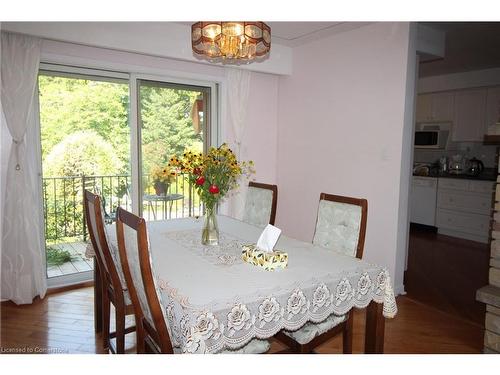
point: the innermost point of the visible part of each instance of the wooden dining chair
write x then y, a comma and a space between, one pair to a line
113, 285
260, 204
152, 332
340, 226
153, 335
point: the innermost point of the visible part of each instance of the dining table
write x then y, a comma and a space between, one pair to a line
213, 300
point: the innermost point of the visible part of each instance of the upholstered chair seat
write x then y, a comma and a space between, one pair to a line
338, 227
310, 331
260, 204
255, 346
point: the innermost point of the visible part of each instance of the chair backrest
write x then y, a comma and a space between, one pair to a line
260, 205
107, 257
134, 253
341, 224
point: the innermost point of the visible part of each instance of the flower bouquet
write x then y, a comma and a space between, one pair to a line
162, 178
213, 175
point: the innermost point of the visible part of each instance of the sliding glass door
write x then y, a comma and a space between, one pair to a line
85, 143
113, 133
173, 120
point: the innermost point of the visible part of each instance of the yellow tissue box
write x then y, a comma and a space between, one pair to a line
267, 260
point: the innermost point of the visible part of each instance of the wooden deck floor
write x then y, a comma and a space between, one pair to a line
79, 263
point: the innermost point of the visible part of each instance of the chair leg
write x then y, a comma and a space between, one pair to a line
141, 347
347, 334
105, 319
303, 349
120, 329
139, 336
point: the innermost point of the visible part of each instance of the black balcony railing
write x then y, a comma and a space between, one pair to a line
63, 202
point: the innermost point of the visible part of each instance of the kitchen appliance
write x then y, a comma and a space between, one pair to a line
421, 170
476, 166
457, 164
443, 164
432, 135
423, 199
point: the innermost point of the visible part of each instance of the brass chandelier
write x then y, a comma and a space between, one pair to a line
233, 41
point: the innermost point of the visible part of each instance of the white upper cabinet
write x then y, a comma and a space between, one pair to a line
469, 123
435, 107
492, 106
424, 108
443, 105
470, 110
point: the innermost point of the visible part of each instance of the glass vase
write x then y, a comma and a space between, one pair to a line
210, 232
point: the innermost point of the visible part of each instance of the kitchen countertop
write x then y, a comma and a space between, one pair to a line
485, 176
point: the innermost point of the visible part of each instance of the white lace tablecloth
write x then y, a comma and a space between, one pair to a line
213, 300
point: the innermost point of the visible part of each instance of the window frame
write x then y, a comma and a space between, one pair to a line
64, 68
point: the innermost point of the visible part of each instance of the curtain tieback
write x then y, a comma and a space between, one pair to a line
17, 143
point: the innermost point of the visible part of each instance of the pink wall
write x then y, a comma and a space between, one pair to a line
340, 131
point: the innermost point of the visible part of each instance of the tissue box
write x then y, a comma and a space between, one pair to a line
267, 260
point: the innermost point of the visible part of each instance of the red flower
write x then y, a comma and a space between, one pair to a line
200, 181
214, 189
197, 171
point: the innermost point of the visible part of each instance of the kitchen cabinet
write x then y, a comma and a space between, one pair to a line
424, 108
469, 123
435, 107
443, 106
464, 208
464, 201
463, 225
492, 106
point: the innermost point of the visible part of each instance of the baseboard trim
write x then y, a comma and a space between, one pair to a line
54, 290
465, 236
399, 290
65, 288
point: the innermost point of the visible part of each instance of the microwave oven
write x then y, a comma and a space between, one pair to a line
432, 135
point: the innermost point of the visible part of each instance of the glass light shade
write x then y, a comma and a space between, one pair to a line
231, 40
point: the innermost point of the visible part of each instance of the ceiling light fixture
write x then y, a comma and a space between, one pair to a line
233, 41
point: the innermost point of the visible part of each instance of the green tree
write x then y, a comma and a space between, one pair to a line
167, 127
82, 153
68, 105
74, 161
85, 131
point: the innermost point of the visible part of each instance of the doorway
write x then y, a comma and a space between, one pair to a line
113, 133
454, 175
85, 144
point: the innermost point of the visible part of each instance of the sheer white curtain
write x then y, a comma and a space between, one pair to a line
23, 274
238, 88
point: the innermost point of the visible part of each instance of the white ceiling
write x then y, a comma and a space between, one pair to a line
292, 33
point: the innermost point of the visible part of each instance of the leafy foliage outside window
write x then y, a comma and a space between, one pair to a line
57, 257
85, 133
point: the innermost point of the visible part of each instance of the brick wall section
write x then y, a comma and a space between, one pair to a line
490, 294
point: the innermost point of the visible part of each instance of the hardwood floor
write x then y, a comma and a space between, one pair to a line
445, 272
63, 323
